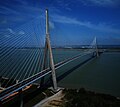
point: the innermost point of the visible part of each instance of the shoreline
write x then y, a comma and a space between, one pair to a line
73, 97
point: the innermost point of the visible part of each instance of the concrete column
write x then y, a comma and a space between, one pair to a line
21, 98
50, 53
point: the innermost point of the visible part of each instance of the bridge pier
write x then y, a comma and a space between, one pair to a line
96, 54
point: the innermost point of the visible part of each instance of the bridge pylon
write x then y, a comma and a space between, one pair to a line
96, 48
48, 51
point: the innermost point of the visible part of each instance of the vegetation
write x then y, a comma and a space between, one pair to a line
83, 98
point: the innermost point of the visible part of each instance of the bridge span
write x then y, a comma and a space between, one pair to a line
17, 87
45, 71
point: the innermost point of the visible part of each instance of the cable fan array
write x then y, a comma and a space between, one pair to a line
21, 52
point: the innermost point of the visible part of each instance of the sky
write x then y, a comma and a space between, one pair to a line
72, 22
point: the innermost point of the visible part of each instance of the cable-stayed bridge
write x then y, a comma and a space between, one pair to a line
38, 64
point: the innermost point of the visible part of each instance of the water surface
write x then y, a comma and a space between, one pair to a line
101, 74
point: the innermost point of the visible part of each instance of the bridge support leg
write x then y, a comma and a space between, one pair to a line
21, 98
21, 102
52, 67
97, 53
50, 53
44, 62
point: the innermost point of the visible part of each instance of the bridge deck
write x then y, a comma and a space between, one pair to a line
15, 88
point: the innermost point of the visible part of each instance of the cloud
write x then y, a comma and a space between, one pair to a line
51, 24
22, 2
3, 21
14, 11
10, 31
64, 19
7, 10
21, 32
65, 4
101, 2
13, 32
100, 26
7, 36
